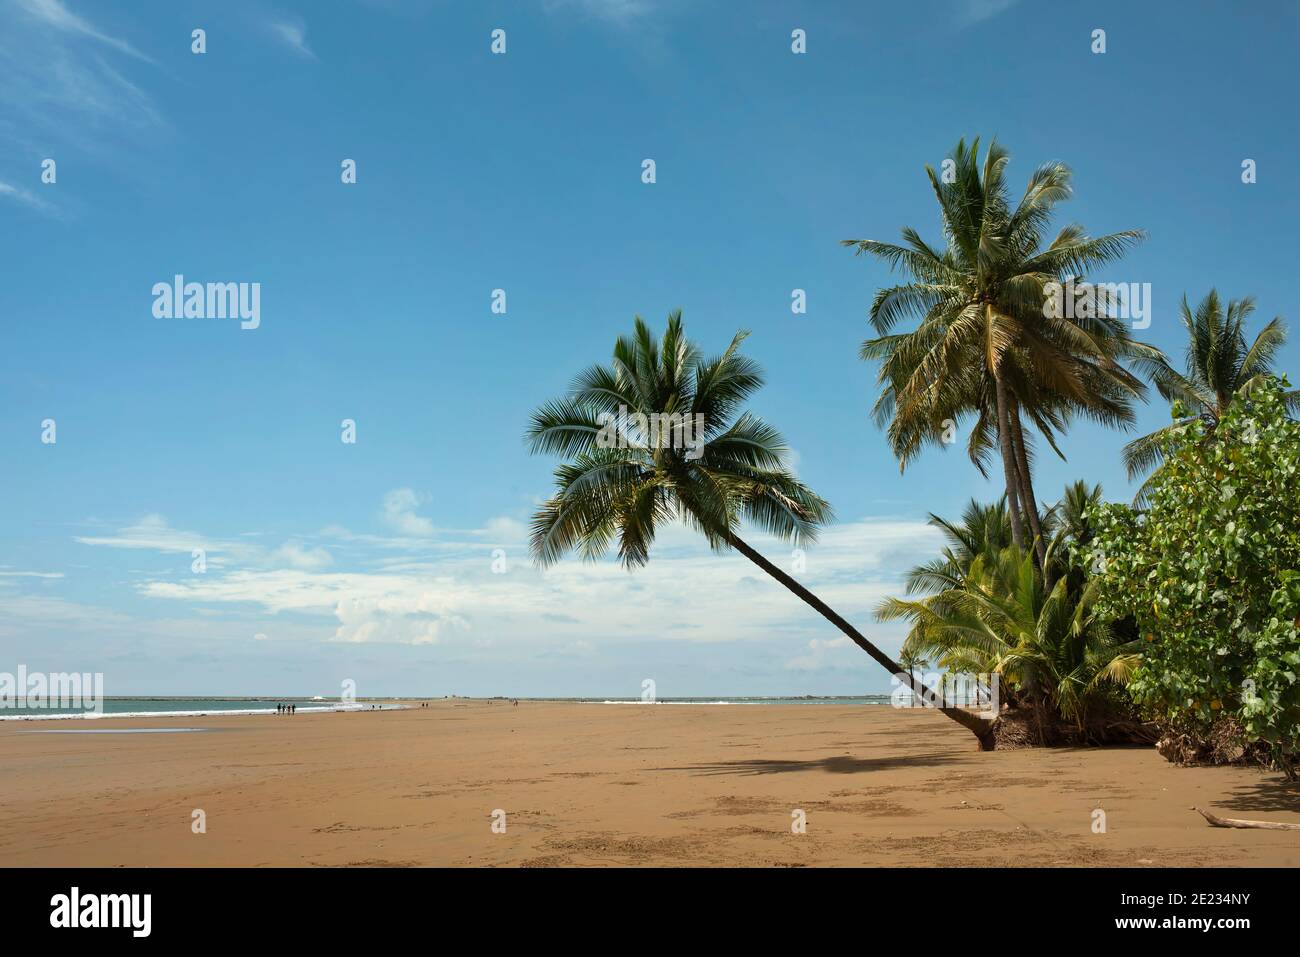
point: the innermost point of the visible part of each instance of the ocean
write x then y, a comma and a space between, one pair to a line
183, 707
160, 707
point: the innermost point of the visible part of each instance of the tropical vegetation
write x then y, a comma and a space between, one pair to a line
1210, 571
1178, 615
982, 608
1220, 365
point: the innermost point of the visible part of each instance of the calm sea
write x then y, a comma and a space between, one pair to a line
195, 707
189, 707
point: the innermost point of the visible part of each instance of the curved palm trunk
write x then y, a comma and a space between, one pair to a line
1027, 485
1008, 462
980, 727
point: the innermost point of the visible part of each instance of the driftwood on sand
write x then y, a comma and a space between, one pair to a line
1217, 821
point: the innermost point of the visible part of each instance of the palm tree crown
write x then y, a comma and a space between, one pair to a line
1220, 365
985, 343
657, 435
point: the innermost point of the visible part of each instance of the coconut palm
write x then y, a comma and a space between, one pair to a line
1055, 656
1220, 366
986, 343
982, 528
659, 434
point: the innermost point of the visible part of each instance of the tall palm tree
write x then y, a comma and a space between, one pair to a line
624, 475
985, 343
1219, 364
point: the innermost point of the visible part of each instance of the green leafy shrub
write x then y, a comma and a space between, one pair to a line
1211, 574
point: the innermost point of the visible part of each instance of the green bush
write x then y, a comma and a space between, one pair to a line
1211, 574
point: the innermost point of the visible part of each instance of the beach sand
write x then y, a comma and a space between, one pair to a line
591, 784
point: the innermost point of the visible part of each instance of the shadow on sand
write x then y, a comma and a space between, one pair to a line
834, 765
1270, 793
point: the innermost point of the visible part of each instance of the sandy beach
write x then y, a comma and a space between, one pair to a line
590, 784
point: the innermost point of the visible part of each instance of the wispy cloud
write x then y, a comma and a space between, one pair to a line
63, 86
22, 196
614, 11
153, 533
971, 12
293, 35
53, 13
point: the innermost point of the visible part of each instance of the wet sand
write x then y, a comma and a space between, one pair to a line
590, 784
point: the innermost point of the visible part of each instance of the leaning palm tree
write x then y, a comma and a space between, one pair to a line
659, 434
985, 343
1220, 366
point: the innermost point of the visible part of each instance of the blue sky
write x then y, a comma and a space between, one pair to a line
373, 561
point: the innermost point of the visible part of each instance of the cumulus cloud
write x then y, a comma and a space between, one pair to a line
686, 593
296, 555
399, 514
816, 659
430, 586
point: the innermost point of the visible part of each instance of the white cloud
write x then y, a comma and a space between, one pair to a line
54, 14
971, 12
505, 531
417, 619
686, 593
815, 660
296, 555
442, 585
61, 89
22, 196
153, 533
293, 34
399, 514
615, 11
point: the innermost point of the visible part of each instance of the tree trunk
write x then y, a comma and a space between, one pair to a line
1008, 462
982, 728
1027, 485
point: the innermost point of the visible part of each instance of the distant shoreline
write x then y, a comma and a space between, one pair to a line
196, 707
